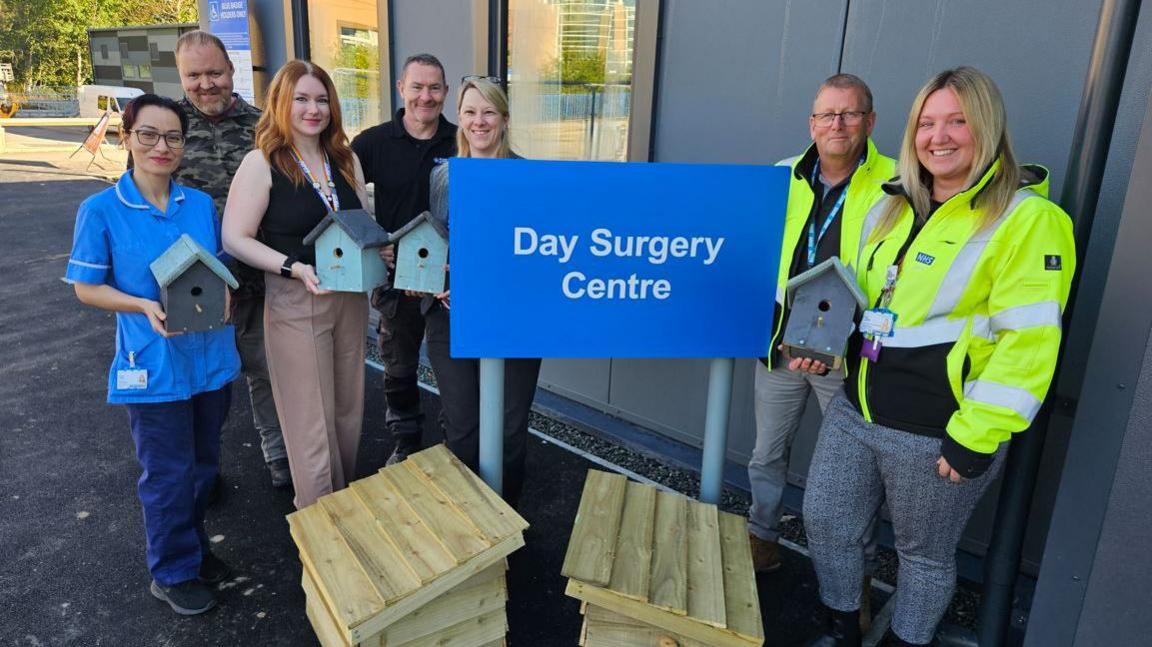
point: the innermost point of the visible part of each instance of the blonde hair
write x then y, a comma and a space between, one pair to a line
983, 108
274, 129
493, 94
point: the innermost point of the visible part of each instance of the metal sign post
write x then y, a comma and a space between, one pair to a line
716, 429
492, 423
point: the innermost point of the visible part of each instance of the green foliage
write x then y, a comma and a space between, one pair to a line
49, 38
575, 71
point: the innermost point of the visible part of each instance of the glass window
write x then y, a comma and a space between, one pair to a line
570, 77
130, 71
101, 102
145, 71
345, 41
104, 52
154, 52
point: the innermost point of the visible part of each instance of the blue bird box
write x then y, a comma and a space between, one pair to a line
823, 303
421, 253
347, 251
193, 286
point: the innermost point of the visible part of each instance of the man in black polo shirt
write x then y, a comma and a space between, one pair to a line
398, 157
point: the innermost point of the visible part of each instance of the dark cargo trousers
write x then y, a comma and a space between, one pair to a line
248, 319
400, 333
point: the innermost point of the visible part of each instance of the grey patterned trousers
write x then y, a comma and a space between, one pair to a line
856, 466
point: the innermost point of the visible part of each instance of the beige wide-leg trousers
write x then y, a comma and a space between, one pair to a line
315, 347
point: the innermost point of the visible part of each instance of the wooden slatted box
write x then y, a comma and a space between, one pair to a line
658, 569
413, 555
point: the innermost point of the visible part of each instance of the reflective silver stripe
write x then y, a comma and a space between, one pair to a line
1022, 402
1045, 313
960, 272
940, 331
870, 222
789, 162
780, 294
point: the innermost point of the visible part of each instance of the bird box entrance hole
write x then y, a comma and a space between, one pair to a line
338, 252
197, 290
824, 305
423, 253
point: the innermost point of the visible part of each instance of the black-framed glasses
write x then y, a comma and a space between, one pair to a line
476, 77
150, 137
849, 118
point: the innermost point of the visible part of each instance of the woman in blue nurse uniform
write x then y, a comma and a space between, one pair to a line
176, 388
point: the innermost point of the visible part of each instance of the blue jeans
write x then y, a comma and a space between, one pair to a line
178, 446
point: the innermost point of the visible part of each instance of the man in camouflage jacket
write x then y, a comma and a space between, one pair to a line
221, 130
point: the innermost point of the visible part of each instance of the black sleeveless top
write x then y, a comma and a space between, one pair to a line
294, 210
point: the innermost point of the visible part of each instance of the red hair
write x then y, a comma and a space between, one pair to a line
274, 130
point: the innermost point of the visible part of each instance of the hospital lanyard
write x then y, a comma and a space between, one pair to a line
814, 238
893, 273
331, 200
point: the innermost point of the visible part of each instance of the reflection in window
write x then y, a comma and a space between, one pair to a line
570, 77
130, 71
346, 43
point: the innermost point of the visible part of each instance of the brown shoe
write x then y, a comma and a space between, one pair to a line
866, 606
765, 554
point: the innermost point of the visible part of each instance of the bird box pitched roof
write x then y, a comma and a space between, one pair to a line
416, 222
360, 226
182, 255
834, 266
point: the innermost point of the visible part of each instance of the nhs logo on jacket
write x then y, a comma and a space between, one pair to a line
925, 258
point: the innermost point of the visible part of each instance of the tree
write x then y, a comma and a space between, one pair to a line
49, 38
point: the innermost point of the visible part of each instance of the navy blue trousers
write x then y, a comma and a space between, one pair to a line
178, 446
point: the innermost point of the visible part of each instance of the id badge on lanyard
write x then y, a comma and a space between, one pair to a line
879, 322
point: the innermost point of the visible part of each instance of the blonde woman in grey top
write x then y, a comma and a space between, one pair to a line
483, 133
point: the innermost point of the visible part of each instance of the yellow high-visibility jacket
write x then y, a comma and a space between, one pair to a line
978, 319
864, 191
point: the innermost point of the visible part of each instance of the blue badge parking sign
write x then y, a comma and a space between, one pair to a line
600, 259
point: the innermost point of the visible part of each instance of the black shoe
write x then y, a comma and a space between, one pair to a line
843, 631
186, 598
403, 449
213, 570
890, 639
281, 476
216, 494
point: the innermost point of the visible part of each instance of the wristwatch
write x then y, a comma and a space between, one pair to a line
286, 268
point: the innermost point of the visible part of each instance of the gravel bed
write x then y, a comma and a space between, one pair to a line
965, 604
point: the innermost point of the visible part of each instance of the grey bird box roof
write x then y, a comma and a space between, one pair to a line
182, 255
360, 226
831, 265
415, 222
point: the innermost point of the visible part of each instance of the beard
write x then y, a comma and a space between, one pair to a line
212, 104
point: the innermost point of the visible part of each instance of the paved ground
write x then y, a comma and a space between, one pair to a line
71, 539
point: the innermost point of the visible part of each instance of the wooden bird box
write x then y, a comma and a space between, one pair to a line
412, 555
347, 246
193, 286
823, 303
657, 568
421, 253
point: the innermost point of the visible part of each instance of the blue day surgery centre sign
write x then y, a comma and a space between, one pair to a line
605, 259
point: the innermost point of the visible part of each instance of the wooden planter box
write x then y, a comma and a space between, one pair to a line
413, 555
659, 569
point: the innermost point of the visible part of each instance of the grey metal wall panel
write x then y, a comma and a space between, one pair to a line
1037, 51
669, 395
443, 28
1096, 568
584, 380
737, 78
1116, 602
